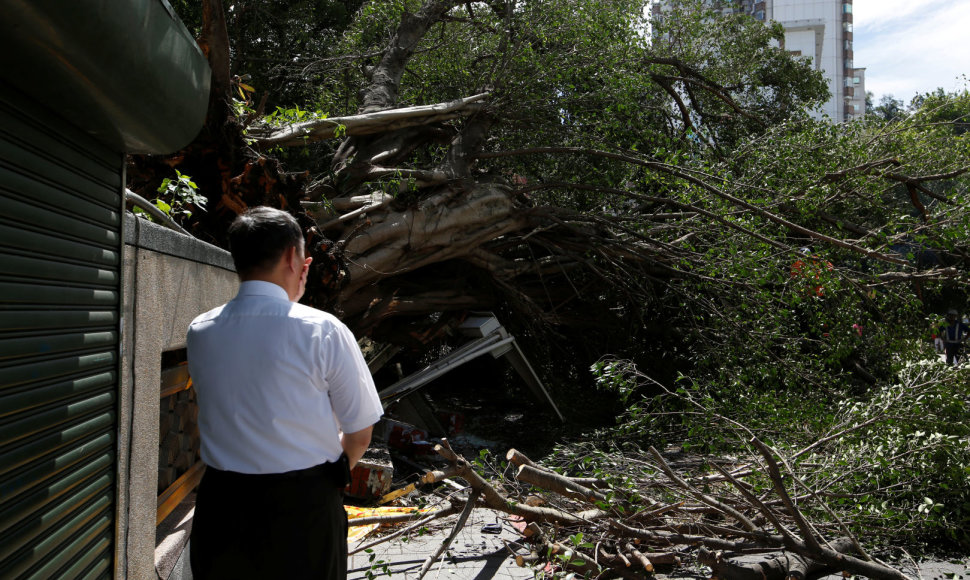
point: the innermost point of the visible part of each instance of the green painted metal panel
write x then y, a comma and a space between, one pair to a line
38, 372
50, 196
30, 144
86, 501
43, 268
27, 294
63, 437
20, 400
88, 565
51, 220
18, 239
60, 285
40, 420
27, 346
35, 320
46, 468
51, 531
38, 499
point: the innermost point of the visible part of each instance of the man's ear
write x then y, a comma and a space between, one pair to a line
293, 261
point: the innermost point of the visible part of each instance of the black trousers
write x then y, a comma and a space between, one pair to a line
282, 525
954, 352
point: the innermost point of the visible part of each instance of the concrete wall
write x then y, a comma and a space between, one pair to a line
168, 279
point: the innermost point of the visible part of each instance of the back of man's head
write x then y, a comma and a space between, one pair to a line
258, 238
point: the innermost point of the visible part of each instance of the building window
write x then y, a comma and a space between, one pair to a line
847, 8
856, 80
847, 26
759, 15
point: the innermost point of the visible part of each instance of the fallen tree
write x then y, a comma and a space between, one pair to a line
599, 192
569, 188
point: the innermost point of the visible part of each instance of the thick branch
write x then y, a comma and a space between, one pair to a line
497, 501
472, 500
215, 46
808, 534
694, 76
660, 200
688, 176
386, 77
365, 124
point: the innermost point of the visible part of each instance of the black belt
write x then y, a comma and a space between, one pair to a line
336, 471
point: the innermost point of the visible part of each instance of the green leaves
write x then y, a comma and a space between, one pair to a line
179, 196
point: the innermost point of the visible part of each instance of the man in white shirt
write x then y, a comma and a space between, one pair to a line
286, 408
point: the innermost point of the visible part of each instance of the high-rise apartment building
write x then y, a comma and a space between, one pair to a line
819, 30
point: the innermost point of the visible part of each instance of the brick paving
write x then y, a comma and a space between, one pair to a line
473, 555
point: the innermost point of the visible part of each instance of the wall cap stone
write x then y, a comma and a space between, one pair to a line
147, 235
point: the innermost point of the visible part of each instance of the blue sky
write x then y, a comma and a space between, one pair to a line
910, 47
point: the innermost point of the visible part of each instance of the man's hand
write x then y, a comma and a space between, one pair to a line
355, 444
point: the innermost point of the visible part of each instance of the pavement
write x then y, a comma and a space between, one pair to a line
473, 555
479, 555
476, 553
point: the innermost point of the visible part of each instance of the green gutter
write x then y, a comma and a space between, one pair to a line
126, 71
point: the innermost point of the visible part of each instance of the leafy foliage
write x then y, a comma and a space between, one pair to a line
280, 47
181, 194
893, 463
176, 198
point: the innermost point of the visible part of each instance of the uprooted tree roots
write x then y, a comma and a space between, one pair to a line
718, 520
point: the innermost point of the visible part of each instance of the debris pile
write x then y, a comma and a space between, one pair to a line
583, 525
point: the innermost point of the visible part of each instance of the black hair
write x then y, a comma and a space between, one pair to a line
258, 238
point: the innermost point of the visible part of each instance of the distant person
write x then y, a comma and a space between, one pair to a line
936, 334
955, 333
286, 408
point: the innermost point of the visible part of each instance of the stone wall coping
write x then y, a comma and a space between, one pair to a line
147, 235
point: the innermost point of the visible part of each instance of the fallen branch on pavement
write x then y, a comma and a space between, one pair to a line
628, 534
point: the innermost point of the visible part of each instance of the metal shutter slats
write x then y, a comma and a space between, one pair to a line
46, 469
54, 528
33, 243
41, 320
49, 221
51, 512
60, 300
44, 419
18, 401
52, 369
61, 199
23, 347
36, 447
89, 564
34, 294
42, 497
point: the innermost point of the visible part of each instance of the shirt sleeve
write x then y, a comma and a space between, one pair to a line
353, 395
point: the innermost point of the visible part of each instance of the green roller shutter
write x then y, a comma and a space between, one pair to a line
60, 271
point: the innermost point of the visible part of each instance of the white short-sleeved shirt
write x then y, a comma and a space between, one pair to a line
276, 382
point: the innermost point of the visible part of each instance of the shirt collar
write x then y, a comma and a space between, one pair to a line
262, 288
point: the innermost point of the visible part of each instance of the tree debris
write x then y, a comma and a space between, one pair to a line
599, 533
